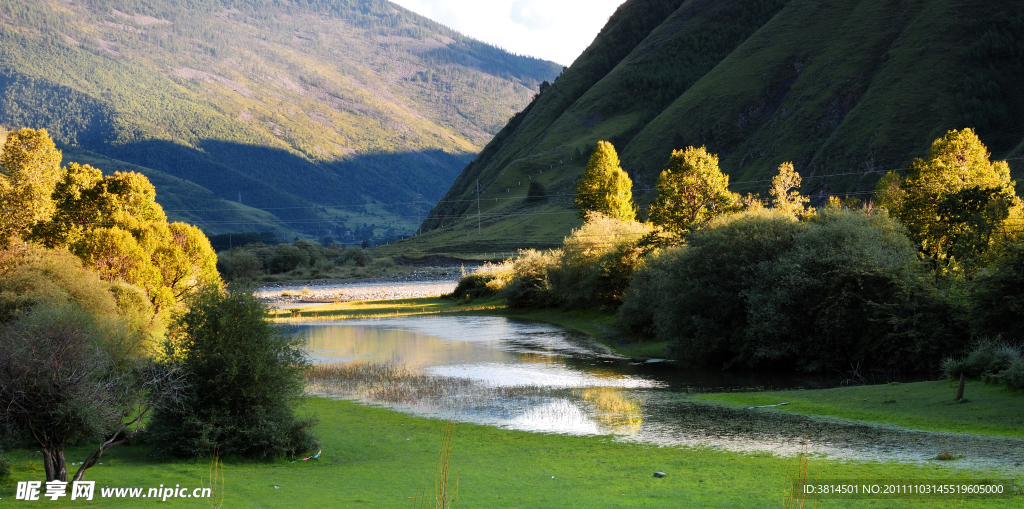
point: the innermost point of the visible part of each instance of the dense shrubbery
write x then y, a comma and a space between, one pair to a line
590, 271
991, 360
998, 296
255, 259
245, 377
728, 281
761, 289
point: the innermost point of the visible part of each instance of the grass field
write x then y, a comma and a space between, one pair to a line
988, 409
373, 457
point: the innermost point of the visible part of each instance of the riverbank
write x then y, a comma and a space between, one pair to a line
987, 409
374, 457
599, 326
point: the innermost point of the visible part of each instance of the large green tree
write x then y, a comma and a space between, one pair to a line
115, 225
955, 203
29, 170
691, 192
605, 186
245, 378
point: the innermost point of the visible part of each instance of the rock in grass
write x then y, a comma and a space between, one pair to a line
660, 474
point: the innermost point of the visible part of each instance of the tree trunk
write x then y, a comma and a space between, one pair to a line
960, 389
53, 464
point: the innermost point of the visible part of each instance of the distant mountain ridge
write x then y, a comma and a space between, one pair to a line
297, 116
845, 89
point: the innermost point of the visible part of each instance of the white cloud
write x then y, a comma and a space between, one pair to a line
557, 30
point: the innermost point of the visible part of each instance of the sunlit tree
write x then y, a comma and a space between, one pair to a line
785, 191
955, 203
605, 186
29, 170
691, 192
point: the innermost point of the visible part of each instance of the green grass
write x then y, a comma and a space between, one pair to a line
374, 457
989, 409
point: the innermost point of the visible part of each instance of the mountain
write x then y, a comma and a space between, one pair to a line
845, 89
302, 117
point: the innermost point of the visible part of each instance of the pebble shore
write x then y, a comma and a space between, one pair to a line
295, 294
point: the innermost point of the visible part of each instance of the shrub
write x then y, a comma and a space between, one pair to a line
245, 377
596, 262
698, 297
529, 286
998, 297
287, 258
1013, 376
848, 290
992, 360
239, 263
760, 288
988, 358
5, 466
355, 256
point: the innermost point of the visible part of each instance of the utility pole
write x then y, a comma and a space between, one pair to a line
478, 231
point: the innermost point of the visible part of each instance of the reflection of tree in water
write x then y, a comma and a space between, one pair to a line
614, 408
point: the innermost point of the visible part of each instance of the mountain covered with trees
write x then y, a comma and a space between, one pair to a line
296, 117
846, 90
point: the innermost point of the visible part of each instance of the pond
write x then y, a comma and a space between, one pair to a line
539, 377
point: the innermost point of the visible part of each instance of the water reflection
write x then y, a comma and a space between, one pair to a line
538, 377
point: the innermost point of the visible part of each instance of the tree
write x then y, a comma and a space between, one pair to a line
955, 203
29, 171
245, 377
64, 379
691, 192
73, 355
115, 225
785, 191
605, 187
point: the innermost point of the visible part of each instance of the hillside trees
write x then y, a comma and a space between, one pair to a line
691, 192
112, 222
605, 187
955, 203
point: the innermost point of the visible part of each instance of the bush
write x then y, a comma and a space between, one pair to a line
355, 256
761, 289
5, 466
695, 295
998, 297
988, 358
245, 377
287, 258
529, 286
1013, 376
849, 290
239, 263
596, 262
991, 360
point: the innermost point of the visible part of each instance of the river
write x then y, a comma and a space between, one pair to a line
539, 377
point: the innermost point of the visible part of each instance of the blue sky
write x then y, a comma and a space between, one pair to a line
556, 30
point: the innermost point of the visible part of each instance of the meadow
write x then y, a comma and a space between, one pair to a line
375, 457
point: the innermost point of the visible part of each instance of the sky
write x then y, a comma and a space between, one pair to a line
556, 30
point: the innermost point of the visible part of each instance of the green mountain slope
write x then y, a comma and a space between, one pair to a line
847, 90
324, 114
